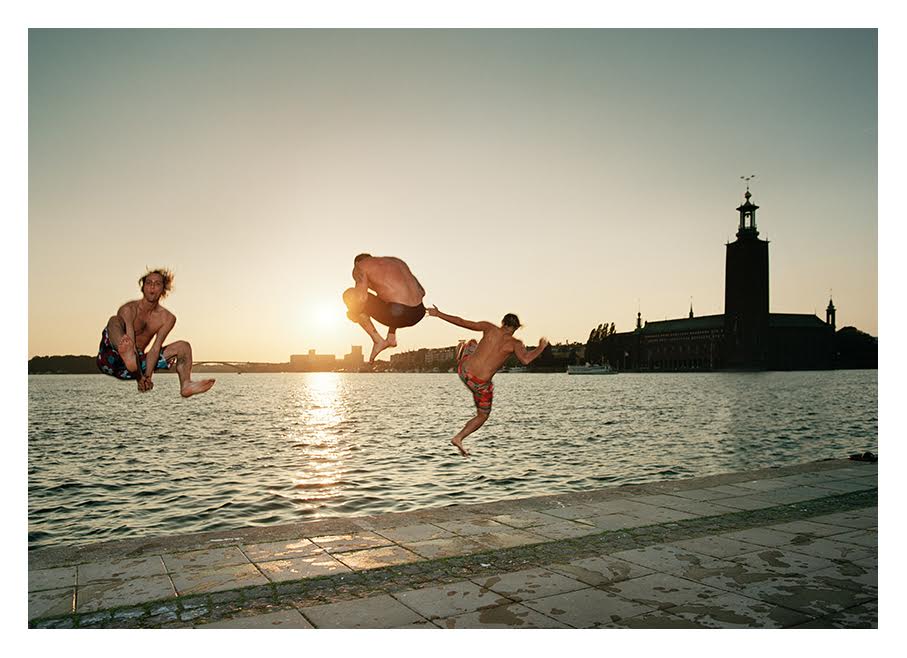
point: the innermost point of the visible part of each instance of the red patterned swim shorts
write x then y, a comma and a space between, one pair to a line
482, 391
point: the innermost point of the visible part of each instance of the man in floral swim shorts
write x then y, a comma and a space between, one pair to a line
144, 323
478, 361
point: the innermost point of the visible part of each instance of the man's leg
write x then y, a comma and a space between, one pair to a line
380, 344
123, 344
471, 426
183, 353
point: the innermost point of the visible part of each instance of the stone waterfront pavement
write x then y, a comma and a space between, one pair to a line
794, 546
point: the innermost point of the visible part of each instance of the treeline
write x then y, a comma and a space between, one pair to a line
69, 364
856, 349
598, 337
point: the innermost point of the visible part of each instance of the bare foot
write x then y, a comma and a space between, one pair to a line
193, 388
126, 350
380, 345
459, 444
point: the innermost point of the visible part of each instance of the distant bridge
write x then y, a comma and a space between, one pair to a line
230, 364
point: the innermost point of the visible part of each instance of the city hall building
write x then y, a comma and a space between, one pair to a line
746, 337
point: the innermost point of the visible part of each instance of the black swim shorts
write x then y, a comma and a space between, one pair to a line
391, 314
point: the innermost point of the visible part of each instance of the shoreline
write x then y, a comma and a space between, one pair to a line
232, 576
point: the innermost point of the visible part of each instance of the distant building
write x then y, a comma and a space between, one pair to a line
423, 359
746, 337
353, 361
312, 362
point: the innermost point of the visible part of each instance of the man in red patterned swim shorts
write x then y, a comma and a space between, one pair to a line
478, 361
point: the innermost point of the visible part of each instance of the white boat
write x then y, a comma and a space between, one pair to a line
589, 369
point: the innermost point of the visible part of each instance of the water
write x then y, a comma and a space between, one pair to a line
105, 462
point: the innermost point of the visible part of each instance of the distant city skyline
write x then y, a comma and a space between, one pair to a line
573, 177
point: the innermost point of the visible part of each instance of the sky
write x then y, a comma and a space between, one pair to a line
573, 177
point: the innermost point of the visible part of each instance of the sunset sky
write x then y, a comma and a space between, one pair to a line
570, 176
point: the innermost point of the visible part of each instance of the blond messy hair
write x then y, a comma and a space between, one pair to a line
166, 275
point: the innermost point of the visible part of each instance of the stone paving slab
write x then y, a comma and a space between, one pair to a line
695, 507
849, 520
783, 561
720, 547
828, 548
587, 608
119, 569
525, 519
104, 594
208, 579
808, 593
866, 537
282, 550
600, 570
735, 611
615, 521
473, 526
51, 603
377, 557
662, 590
564, 530
415, 533
746, 502
514, 615
509, 538
354, 541
280, 619
374, 612
449, 600
210, 558
530, 584
753, 562
441, 548
808, 527
668, 558
53, 578
760, 537
297, 568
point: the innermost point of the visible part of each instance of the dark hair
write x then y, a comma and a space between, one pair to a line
511, 320
166, 275
360, 257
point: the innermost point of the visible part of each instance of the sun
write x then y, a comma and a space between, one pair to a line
327, 315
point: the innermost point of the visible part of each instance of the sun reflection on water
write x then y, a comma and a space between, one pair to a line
321, 454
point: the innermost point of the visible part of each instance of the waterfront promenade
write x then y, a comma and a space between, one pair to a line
794, 546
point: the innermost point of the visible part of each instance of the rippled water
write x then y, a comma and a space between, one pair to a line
105, 462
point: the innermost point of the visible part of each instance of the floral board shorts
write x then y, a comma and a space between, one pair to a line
110, 363
482, 391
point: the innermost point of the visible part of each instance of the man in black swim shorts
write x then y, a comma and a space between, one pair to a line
397, 301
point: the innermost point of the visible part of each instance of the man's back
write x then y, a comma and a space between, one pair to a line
392, 280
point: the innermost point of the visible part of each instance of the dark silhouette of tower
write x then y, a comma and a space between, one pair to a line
830, 314
746, 294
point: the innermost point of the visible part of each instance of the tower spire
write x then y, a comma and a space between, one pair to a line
747, 212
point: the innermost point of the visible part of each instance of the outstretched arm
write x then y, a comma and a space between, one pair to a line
460, 322
526, 357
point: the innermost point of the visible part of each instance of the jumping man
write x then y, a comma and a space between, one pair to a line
121, 353
477, 363
398, 302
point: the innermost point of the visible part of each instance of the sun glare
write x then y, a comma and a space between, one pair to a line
326, 315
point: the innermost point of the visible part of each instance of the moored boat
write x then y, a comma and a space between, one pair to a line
589, 369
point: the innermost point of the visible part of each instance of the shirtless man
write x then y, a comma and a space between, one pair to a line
398, 302
128, 333
477, 363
